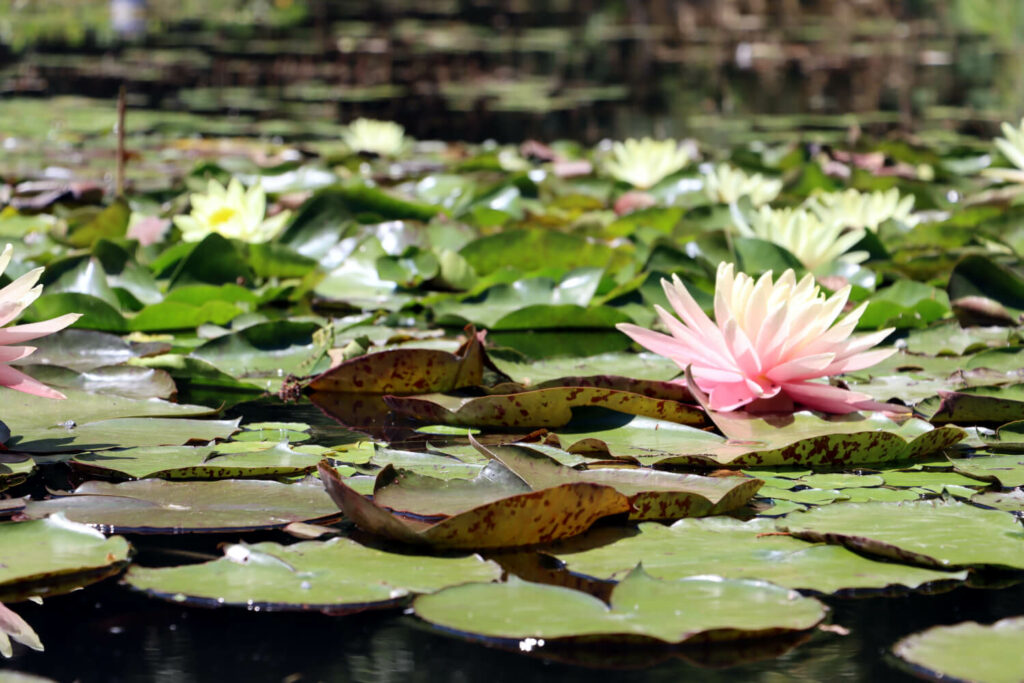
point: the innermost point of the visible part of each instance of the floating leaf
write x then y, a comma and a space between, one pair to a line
151, 506
338, 575
651, 493
408, 371
751, 550
125, 432
546, 407
704, 608
795, 440
967, 651
186, 462
930, 533
53, 555
524, 519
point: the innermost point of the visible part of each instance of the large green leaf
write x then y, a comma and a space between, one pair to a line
967, 651
930, 533
640, 606
151, 506
338, 575
53, 555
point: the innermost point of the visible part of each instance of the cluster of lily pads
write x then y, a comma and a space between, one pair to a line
503, 460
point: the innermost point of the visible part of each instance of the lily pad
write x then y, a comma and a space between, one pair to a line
523, 519
929, 533
698, 608
53, 555
407, 371
121, 433
652, 494
967, 651
151, 506
338, 575
547, 407
187, 462
796, 440
751, 550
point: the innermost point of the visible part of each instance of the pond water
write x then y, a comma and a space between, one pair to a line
106, 633
204, 82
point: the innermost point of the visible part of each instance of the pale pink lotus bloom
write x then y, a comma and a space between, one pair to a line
769, 343
13, 626
15, 298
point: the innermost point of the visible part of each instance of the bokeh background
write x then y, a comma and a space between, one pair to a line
512, 69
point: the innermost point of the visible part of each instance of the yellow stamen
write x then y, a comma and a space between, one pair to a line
222, 215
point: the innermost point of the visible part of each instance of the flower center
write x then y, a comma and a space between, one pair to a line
222, 215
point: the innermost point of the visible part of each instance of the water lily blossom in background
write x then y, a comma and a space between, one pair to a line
804, 235
854, 209
231, 211
726, 185
645, 163
384, 138
13, 626
770, 343
1012, 147
15, 298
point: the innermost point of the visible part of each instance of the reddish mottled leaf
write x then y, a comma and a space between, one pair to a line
653, 494
523, 519
981, 404
550, 406
408, 371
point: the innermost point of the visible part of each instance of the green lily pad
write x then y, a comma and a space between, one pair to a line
152, 506
698, 608
338, 575
1007, 470
126, 432
186, 462
967, 651
53, 555
14, 470
999, 404
23, 412
929, 533
735, 549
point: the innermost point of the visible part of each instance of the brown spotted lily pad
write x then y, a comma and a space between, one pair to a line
408, 371
652, 494
517, 520
551, 404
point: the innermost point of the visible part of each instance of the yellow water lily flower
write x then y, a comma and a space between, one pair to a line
1012, 147
385, 138
232, 212
813, 241
645, 163
726, 185
854, 209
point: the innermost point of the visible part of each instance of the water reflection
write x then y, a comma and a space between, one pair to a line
110, 634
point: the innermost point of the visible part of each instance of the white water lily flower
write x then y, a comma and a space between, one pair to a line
232, 212
726, 185
854, 209
645, 163
805, 235
1012, 147
385, 138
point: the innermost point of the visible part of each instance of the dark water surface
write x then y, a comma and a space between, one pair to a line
108, 633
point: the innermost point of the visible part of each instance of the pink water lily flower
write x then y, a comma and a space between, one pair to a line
15, 298
769, 343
